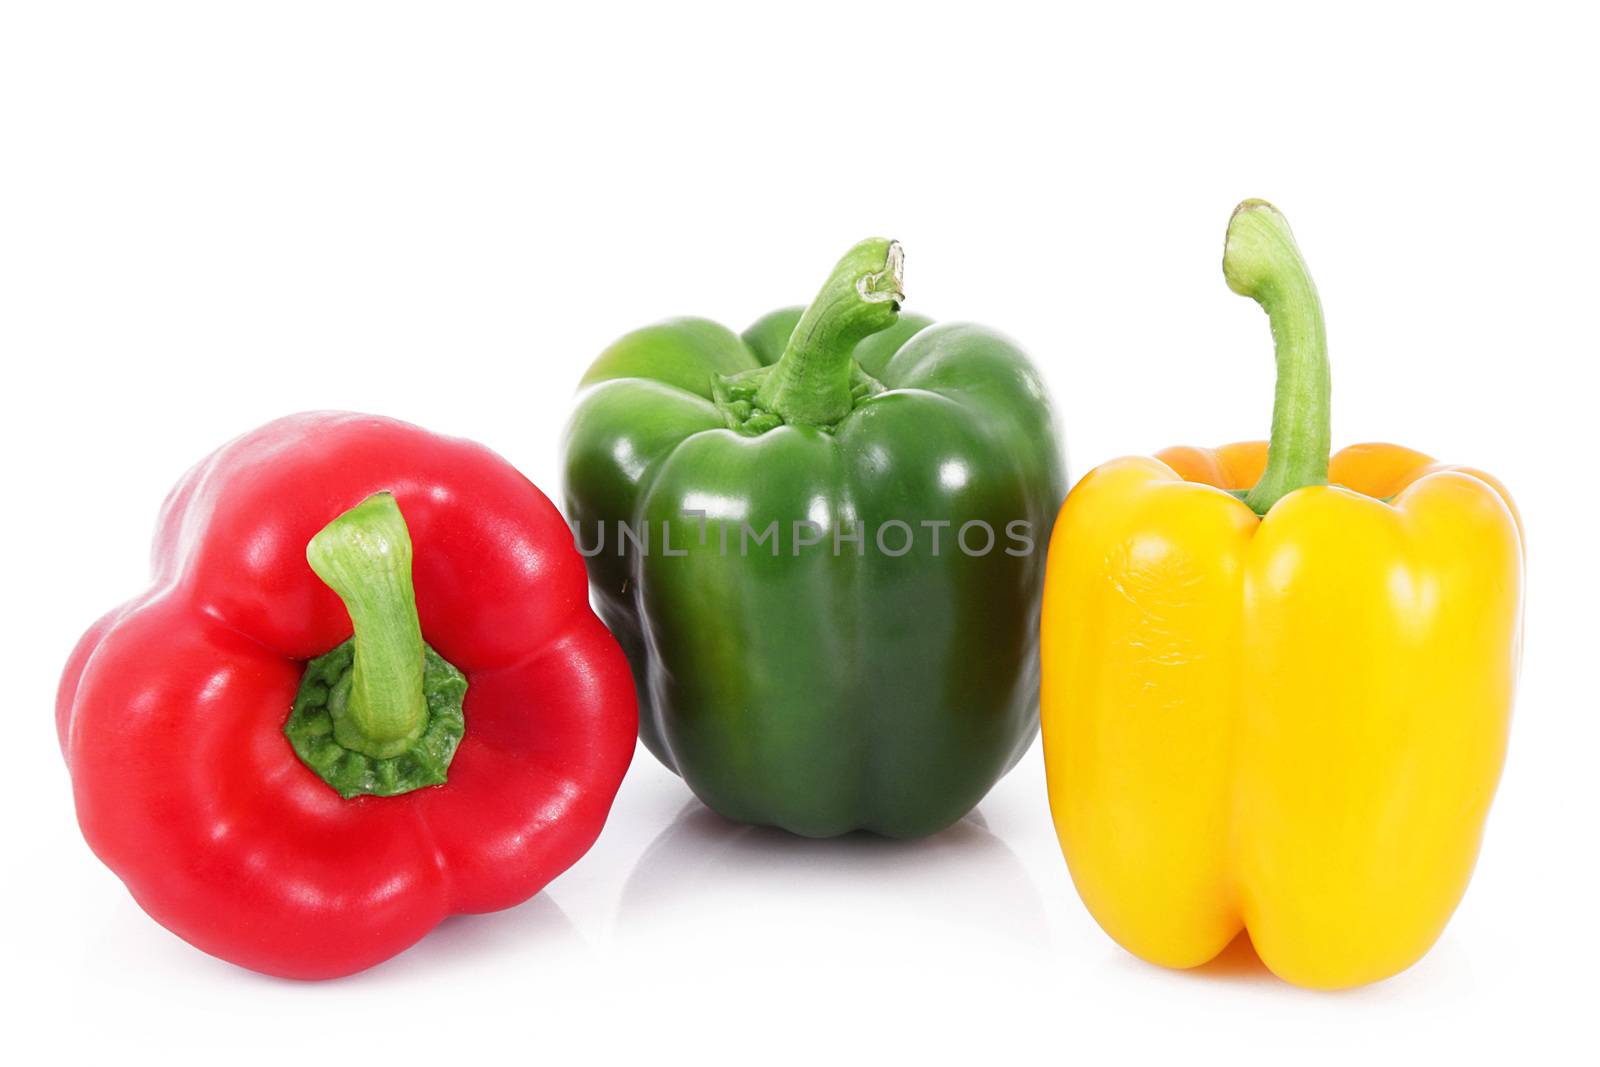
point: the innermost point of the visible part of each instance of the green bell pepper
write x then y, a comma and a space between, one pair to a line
821, 545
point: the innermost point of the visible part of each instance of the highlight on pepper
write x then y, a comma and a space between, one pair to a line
1277, 685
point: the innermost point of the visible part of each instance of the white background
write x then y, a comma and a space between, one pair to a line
213, 214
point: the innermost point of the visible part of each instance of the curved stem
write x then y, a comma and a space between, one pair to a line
810, 385
364, 555
1262, 261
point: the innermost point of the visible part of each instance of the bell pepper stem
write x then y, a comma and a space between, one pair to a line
364, 555
810, 385
1262, 261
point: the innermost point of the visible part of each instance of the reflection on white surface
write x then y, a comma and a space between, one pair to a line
766, 892
487, 941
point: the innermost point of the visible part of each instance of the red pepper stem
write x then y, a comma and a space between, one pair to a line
364, 555
1262, 261
811, 383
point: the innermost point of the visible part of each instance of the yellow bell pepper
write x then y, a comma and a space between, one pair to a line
1270, 702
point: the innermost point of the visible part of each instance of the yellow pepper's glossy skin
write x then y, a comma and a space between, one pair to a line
1291, 724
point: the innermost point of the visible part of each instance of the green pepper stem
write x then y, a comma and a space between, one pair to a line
364, 555
1262, 261
810, 385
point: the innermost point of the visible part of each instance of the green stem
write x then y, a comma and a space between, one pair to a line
1262, 261
364, 555
811, 384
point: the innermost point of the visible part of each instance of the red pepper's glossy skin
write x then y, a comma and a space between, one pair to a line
171, 708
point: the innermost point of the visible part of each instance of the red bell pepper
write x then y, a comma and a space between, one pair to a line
172, 709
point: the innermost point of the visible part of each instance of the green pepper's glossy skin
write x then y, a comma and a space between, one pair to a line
817, 692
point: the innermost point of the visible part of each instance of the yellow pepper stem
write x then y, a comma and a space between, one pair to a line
1262, 261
